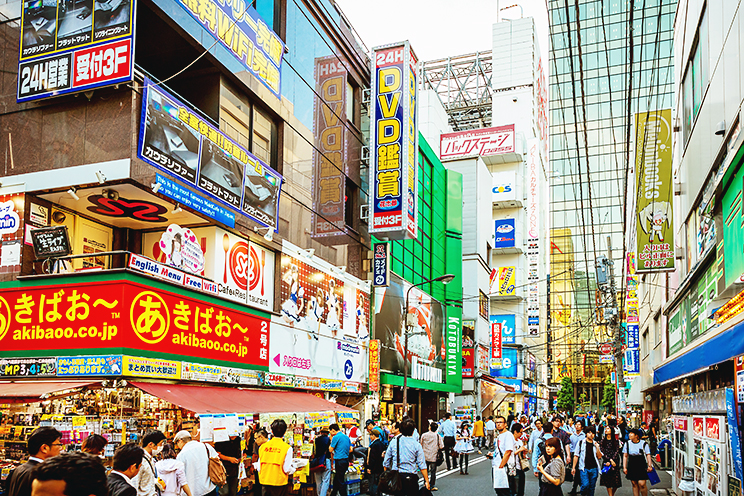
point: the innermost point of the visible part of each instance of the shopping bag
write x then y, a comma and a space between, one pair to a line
500, 478
653, 477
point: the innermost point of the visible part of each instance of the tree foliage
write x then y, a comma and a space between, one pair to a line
566, 395
608, 395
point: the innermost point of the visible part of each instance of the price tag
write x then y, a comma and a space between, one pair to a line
79, 422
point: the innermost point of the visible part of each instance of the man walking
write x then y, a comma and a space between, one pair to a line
275, 461
502, 454
411, 456
70, 474
432, 442
448, 431
340, 448
577, 436
564, 436
536, 432
195, 458
126, 466
490, 432
152, 445
478, 432
43, 443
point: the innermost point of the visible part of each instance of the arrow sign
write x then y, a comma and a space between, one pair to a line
278, 359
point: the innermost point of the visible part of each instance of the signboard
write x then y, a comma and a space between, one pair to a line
217, 373
733, 433
505, 233
507, 365
73, 47
279, 380
394, 142
632, 364
89, 365
504, 186
504, 282
680, 424
381, 264
315, 420
131, 315
28, 367
181, 249
479, 142
533, 235
606, 348
151, 367
495, 341
713, 428
243, 33
653, 171
508, 327
484, 359
606, 359
739, 371
51, 242
468, 362
633, 338
188, 198
175, 139
374, 365
10, 221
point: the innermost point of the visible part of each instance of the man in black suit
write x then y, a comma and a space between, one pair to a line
43, 443
70, 474
127, 463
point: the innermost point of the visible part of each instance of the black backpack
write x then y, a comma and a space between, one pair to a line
541, 447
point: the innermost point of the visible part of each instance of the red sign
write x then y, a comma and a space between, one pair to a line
713, 428
697, 426
606, 348
102, 63
374, 365
495, 340
680, 424
468, 362
648, 416
125, 314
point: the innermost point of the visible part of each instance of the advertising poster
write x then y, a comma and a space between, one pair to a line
182, 249
151, 367
468, 348
314, 420
394, 142
68, 47
653, 172
508, 327
508, 364
89, 365
425, 341
28, 367
504, 281
218, 374
175, 139
480, 142
505, 233
483, 359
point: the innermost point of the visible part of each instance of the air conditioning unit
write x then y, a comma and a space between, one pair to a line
364, 213
365, 154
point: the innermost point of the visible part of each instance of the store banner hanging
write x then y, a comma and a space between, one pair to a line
381, 264
128, 315
653, 172
179, 141
505, 233
374, 365
503, 281
89, 365
478, 142
495, 340
508, 327
28, 367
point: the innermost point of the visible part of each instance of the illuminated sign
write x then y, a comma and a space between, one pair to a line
381, 264
479, 142
374, 365
495, 341
394, 142
508, 327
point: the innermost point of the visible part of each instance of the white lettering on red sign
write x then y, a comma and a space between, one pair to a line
102, 63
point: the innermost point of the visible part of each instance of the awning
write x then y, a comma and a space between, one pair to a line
20, 391
215, 399
635, 396
507, 387
720, 348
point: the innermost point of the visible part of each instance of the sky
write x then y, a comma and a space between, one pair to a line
437, 28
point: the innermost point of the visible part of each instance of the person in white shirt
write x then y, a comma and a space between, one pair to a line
501, 456
147, 478
195, 458
536, 431
490, 431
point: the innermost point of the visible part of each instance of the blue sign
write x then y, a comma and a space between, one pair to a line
632, 362
733, 431
533, 320
517, 383
381, 264
508, 327
633, 340
508, 364
505, 231
348, 369
89, 365
185, 196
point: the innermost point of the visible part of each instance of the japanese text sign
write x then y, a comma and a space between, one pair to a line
199, 154
125, 314
51, 242
381, 264
495, 340
89, 365
374, 365
67, 48
478, 142
28, 367
394, 142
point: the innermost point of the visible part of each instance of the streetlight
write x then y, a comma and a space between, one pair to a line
410, 323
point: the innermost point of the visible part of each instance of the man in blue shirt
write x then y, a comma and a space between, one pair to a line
447, 430
576, 436
409, 461
340, 448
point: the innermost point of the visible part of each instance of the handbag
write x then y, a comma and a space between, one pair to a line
318, 463
524, 462
440, 457
653, 477
216, 470
390, 481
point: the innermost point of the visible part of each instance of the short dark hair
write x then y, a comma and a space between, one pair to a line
499, 417
335, 427
153, 437
557, 418
447, 415
434, 426
407, 427
263, 433
168, 452
278, 428
94, 442
516, 427
547, 427
477, 417
636, 432
41, 436
590, 428
538, 420
579, 421
127, 455
83, 474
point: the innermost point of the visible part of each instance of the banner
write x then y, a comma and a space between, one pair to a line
69, 47
733, 433
495, 341
374, 365
28, 367
484, 361
177, 140
505, 231
151, 367
314, 420
129, 315
394, 142
381, 264
503, 282
508, 327
653, 172
217, 373
478, 142
89, 365
468, 348
533, 234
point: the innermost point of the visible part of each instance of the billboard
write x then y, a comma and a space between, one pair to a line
504, 186
478, 142
503, 282
507, 365
68, 47
653, 172
175, 139
381, 264
508, 327
533, 236
505, 231
495, 341
425, 343
394, 142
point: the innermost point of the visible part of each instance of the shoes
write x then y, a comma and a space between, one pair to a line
434, 489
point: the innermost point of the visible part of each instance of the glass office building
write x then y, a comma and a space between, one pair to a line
598, 81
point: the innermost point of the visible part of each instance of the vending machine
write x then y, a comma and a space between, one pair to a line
716, 456
681, 447
698, 454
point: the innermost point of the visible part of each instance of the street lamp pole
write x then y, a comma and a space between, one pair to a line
410, 322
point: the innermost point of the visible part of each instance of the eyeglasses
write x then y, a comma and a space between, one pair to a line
56, 444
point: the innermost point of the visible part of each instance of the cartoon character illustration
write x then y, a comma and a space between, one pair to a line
332, 321
292, 308
656, 214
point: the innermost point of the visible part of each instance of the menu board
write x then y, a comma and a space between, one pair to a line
50, 242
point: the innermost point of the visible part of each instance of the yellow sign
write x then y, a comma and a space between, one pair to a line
505, 282
79, 422
150, 367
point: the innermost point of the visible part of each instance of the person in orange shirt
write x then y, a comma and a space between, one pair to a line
478, 433
275, 462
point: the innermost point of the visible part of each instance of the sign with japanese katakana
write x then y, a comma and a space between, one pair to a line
68, 47
127, 316
393, 142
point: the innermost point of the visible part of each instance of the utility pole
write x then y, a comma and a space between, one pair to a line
606, 282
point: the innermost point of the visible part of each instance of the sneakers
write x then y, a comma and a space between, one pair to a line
434, 489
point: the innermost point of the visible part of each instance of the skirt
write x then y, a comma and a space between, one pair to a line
464, 447
637, 468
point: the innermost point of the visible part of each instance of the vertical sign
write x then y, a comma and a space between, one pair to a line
739, 373
533, 236
653, 171
394, 142
374, 365
381, 264
495, 341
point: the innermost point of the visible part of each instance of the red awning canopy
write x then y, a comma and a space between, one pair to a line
33, 390
215, 399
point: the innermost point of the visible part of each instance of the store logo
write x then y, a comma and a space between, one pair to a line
504, 228
502, 188
9, 220
149, 317
4, 318
134, 209
239, 264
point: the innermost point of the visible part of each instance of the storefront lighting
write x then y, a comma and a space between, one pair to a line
101, 177
155, 187
268, 236
309, 253
178, 209
73, 194
731, 309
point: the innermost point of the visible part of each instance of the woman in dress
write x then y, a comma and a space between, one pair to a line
637, 462
332, 321
464, 446
292, 307
553, 469
610, 472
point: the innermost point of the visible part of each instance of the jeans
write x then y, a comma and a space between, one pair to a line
588, 481
431, 467
339, 478
323, 479
374, 484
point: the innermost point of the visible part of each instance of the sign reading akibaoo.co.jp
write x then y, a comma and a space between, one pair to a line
126, 314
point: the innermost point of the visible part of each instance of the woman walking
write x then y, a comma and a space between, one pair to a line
610, 476
172, 473
553, 469
464, 447
637, 462
520, 455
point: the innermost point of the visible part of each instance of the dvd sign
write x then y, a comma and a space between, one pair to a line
505, 231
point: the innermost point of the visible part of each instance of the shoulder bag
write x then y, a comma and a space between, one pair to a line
216, 470
390, 481
511, 470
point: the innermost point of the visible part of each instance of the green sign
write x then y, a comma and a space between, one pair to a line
733, 233
675, 330
653, 171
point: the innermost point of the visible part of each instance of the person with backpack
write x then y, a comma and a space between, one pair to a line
519, 455
587, 458
539, 450
195, 457
637, 462
552, 468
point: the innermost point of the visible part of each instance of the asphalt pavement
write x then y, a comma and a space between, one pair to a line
478, 483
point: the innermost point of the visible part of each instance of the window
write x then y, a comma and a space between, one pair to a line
696, 78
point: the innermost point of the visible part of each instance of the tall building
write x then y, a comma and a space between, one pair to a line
608, 61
